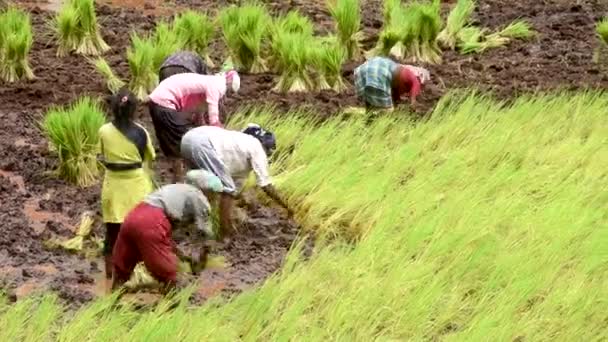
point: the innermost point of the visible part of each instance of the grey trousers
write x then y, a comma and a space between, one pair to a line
199, 153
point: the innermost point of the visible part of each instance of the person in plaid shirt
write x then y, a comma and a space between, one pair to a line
381, 82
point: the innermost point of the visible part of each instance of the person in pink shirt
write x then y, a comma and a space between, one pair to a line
178, 103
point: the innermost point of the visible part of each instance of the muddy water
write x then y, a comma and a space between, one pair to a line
38, 218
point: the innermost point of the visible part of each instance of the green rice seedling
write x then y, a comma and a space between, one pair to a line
420, 38
474, 40
73, 132
103, 68
15, 44
243, 29
601, 29
141, 58
347, 15
292, 54
76, 29
516, 30
457, 20
330, 57
146, 55
412, 33
293, 22
195, 31
389, 7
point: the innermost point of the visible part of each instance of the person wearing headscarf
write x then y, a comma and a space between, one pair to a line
380, 82
231, 156
182, 62
178, 102
126, 151
150, 230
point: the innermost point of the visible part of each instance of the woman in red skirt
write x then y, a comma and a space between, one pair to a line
146, 233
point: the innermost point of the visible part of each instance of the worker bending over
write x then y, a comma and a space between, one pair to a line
231, 156
381, 82
148, 230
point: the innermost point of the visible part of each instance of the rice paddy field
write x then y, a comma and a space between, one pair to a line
481, 214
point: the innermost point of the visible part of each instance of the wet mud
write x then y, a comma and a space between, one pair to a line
36, 206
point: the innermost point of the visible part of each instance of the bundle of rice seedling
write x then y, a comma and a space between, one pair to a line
103, 68
292, 54
347, 14
146, 55
243, 29
73, 132
15, 44
420, 38
293, 22
330, 56
457, 20
389, 7
195, 31
602, 30
412, 33
77, 29
474, 40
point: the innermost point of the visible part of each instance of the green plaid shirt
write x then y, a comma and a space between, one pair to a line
373, 81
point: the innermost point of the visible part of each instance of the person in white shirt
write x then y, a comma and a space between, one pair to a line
231, 156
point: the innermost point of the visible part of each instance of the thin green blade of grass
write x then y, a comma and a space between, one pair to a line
519, 29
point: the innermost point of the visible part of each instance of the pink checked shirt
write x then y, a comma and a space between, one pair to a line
187, 92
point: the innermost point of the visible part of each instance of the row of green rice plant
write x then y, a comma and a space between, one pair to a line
472, 39
347, 15
76, 29
244, 27
15, 43
195, 31
73, 133
456, 21
330, 55
483, 222
411, 32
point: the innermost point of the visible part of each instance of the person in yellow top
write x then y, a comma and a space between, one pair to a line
127, 153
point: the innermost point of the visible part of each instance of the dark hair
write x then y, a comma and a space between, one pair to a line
267, 138
123, 105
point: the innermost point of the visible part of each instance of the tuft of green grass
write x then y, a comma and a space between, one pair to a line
293, 22
292, 54
73, 134
601, 29
457, 20
76, 29
519, 29
195, 31
15, 43
113, 83
243, 29
347, 15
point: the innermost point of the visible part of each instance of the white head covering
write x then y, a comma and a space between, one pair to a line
423, 74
